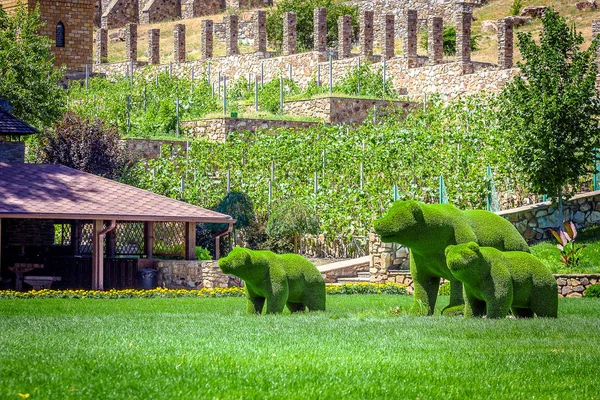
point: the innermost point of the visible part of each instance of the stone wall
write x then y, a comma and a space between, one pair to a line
151, 148
119, 13
536, 221
160, 10
217, 129
12, 151
573, 285
199, 8
246, 30
343, 109
179, 274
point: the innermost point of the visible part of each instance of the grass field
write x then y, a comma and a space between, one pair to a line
359, 348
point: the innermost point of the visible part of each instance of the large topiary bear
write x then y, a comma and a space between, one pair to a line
427, 229
281, 280
495, 282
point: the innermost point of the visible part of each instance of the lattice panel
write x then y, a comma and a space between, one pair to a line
169, 238
62, 234
87, 234
129, 238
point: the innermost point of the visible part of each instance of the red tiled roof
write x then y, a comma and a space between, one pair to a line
57, 192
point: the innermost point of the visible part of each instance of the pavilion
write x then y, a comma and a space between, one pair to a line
54, 221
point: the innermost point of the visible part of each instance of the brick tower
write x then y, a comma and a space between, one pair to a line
70, 27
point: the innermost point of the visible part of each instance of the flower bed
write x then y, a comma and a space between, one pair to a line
351, 288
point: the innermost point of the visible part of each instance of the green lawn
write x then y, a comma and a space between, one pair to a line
358, 349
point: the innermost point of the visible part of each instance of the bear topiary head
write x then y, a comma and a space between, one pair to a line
237, 262
463, 258
401, 223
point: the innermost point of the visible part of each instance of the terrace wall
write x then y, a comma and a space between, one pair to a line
180, 274
217, 129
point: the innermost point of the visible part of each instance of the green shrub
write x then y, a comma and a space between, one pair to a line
444, 289
304, 21
592, 291
515, 7
202, 253
292, 218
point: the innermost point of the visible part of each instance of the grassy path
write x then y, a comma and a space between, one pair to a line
208, 348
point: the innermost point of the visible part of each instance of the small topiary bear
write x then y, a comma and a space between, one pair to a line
281, 280
427, 229
495, 282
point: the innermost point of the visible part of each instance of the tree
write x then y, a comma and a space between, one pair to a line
291, 219
550, 109
28, 79
84, 145
304, 21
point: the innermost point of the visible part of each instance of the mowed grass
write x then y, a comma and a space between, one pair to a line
358, 349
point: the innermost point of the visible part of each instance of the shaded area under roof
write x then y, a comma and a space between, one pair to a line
13, 126
53, 191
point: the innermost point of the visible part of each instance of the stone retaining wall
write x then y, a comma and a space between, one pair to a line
536, 221
151, 148
179, 274
217, 129
343, 109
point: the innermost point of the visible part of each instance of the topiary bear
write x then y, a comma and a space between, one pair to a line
495, 282
281, 280
427, 229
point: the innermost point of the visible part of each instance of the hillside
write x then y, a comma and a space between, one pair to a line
493, 10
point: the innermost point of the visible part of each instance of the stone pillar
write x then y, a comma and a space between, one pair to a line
596, 32
131, 42
435, 40
154, 46
289, 33
231, 35
179, 43
320, 29
366, 34
207, 39
410, 39
463, 18
344, 36
101, 45
389, 40
505, 42
260, 41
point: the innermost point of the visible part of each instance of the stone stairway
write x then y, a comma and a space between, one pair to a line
347, 271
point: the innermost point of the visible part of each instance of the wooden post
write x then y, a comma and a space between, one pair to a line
111, 244
190, 240
75, 237
97, 256
149, 239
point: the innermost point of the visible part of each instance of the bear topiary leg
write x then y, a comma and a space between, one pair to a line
276, 303
473, 307
316, 300
457, 302
522, 312
295, 307
497, 308
426, 286
544, 299
255, 305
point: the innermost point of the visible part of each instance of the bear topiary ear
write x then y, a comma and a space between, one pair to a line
473, 246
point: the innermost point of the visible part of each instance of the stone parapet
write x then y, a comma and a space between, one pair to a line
505, 43
389, 38
183, 274
435, 42
289, 34
344, 36
366, 34
179, 43
320, 29
409, 43
207, 39
231, 39
154, 46
131, 42
101, 45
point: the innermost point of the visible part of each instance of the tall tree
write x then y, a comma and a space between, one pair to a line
550, 109
28, 79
